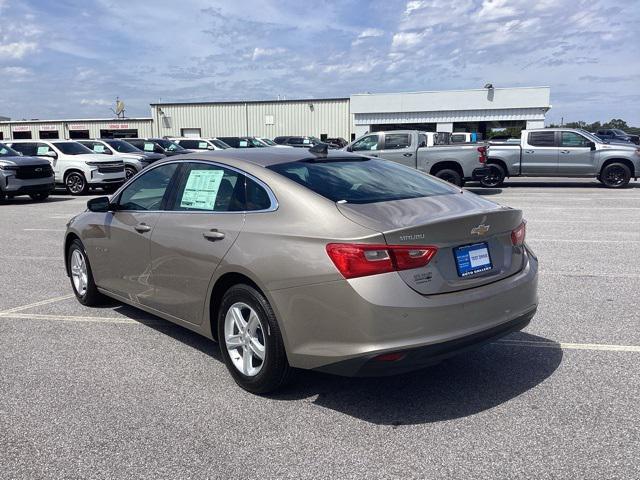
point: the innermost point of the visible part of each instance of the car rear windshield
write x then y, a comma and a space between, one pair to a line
72, 148
361, 181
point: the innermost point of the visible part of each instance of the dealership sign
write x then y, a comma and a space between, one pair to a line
118, 126
48, 128
21, 128
78, 126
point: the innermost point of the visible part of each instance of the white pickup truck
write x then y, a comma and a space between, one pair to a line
562, 152
453, 163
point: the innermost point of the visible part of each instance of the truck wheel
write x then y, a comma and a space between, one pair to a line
495, 177
76, 184
615, 175
129, 172
450, 176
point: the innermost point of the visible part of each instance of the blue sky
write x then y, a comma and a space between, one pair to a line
66, 58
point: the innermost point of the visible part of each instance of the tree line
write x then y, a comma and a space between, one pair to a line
592, 127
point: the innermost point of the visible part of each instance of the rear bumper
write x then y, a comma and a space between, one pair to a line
416, 358
340, 326
480, 172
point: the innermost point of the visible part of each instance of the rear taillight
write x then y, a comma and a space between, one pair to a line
482, 154
359, 260
519, 234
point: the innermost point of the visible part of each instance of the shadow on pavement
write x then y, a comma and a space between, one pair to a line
464, 385
25, 200
476, 188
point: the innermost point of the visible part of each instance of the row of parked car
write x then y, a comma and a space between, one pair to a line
36, 167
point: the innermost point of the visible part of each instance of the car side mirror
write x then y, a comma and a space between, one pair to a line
51, 154
100, 204
210, 148
592, 145
349, 148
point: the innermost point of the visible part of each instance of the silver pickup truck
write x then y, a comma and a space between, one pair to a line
453, 163
562, 152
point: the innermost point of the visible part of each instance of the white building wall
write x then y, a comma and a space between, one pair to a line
264, 119
144, 126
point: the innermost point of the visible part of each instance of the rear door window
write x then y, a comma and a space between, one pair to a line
28, 149
572, 139
361, 180
542, 139
396, 141
208, 188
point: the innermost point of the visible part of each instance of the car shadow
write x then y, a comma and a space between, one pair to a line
581, 183
26, 200
484, 191
464, 385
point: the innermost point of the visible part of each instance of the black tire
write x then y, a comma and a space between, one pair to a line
76, 184
450, 176
495, 177
275, 371
90, 297
38, 197
615, 175
129, 172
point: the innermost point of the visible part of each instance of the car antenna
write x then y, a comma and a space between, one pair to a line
320, 149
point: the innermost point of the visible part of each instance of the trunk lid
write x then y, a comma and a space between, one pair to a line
447, 222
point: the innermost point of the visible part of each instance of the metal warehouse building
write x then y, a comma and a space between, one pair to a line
476, 110
75, 129
327, 116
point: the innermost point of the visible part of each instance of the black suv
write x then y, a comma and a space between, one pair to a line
303, 142
157, 145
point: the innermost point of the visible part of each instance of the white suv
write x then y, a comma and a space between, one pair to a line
134, 159
74, 165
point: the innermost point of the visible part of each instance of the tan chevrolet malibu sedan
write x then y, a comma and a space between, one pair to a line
307, 259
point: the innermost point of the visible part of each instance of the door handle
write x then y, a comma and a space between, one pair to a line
529, 151
564, 151
213, 235
407, 154
142, 228
373, 154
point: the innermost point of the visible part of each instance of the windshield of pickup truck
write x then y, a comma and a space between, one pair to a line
7, 152
347, 180
72, 148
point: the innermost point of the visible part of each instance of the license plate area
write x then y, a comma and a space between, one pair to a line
472, 259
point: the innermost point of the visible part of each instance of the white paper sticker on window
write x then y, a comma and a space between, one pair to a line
98, 148
244, 143
42, 150
148, 147
201, 189
203, 145
306, 141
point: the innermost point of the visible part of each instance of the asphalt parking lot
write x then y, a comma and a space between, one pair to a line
116, 393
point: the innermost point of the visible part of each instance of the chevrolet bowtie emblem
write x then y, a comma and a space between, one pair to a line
480, 229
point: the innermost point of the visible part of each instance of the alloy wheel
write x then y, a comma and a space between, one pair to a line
245, 339
75, 183
79, 272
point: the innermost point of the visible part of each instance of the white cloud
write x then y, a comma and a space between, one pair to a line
371, 32
17, 49
259, 52
406, 39
94, 102
15, 73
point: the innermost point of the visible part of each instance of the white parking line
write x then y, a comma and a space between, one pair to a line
43, 230
75, 318
28, 257
571, 240
578, 274
571, 346
35, 304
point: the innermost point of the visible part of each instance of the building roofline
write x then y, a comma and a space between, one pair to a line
447, 91
252, 102
80, 120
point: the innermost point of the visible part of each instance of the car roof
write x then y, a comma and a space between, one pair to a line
272, 156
